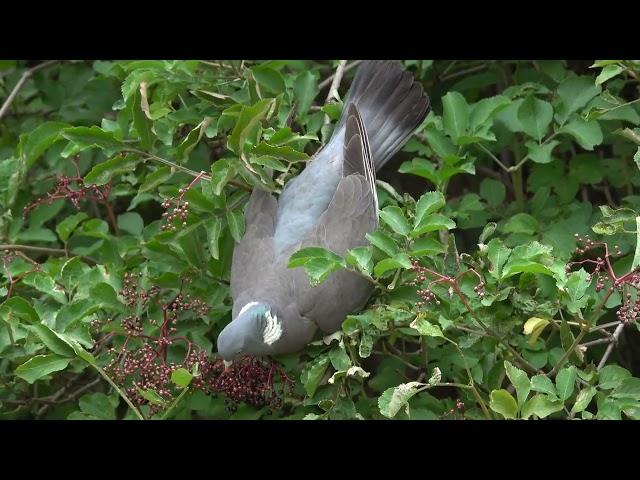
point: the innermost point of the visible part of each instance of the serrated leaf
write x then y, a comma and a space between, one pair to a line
426, 328
400, 260
612, 376
519, 380
455, 115
52, 340
395, 219
88, 137
155, 178
66, 227
428, 203
565, 382
587, 134
384, 242
103, 172
542, 406
503, 403
535, 116
393, 399
214, 230
40, 366
583, 399
543, 384
181, 377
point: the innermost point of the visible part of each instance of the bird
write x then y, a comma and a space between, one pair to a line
331, 204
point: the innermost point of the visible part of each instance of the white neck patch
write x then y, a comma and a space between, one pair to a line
247, 307
273, 330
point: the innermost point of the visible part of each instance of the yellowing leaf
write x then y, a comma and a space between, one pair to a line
534, 327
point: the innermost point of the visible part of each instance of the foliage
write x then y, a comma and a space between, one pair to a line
505, 264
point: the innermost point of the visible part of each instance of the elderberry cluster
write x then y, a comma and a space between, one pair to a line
458, 409
426, 294
180, 212
603, 274
63, 189
249, 380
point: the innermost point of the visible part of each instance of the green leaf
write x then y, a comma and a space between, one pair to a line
235, 220
141, 122
214, 230
103, 172
88, 137
503, 403
181, 377
492, 191
222, 171
383, 241
455, 115
534, 327
153, 397
269, 79
39, 140
583, 399
97, 405
426, 246
608, 72
18, 308
248, 119
52, 340
587, 134
317, 262
155, 178
519, 380
431, 223
395, 219
628, 389
313, 374
535, 115
426, 328
45, 284
339, 358
541, 153
521, 223
429, 203
565, 382
576, 287
486, 109
41, 366
575, 92
612, 376
305, 89
543, 384
400, 260
497, 254
67, 226
394, 398
131, 222
542, 406
191, 140
282, 152
361, 258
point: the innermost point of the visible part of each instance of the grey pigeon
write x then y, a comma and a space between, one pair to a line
331, 204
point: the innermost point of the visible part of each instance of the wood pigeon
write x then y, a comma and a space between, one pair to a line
332, 204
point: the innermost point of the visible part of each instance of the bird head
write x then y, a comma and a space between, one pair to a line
252, 332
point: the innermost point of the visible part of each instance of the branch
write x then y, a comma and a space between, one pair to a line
330, 78
337, 78
614, 341
25, 76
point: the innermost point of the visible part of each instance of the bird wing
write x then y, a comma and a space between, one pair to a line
253, 257
351, 214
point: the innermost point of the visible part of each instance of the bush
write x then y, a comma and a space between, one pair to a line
505, 266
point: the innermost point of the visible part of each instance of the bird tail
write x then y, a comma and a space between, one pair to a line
391, 103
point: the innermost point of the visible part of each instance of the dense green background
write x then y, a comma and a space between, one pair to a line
515, 158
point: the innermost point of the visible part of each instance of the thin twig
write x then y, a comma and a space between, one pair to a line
607, 353
337, 78
330, 78
25, 76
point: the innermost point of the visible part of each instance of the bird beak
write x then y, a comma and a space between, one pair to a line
227, 364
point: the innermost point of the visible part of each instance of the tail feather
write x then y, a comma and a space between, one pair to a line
391, 103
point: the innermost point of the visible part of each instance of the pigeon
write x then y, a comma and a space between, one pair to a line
331, 204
